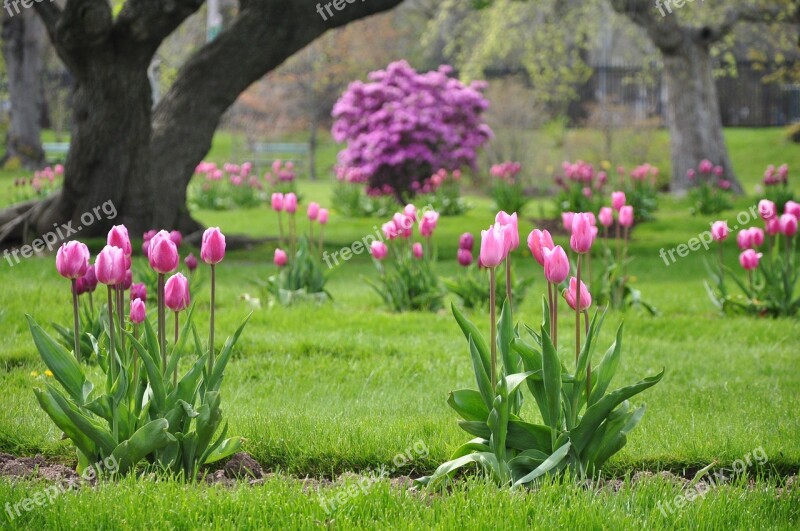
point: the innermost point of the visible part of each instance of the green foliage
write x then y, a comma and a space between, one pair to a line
137, 415
471, 288
708, 199
302, 279
411, 285
509, 197
612, 286
582, 426
352, 201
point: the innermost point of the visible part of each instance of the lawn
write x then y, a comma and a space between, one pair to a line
322, 391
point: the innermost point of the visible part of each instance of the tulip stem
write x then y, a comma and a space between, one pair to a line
310, 231
578, 310
121, 315
211, 332
162, 329
112, 342
135, 361
175, 371
508, 279
493, 323
589, 364
91, 303
280, 227
321, 240
76, 320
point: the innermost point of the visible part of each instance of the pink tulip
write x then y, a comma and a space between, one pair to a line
290, 203
792, 208
72, 260
389, 230
410, 211
403, 224
109, 266
510, 225
618, 200
280, 259
466, 241
749, 259
126, 285
571, 294
538, 241
744, 239
162, 253
80, 286
757, 236
582, 235
626, 217
323, 216
118, 237
416, 249
566, 219
606, 216
378, 250
465, 257
176, 237
138, 311
556, 264
191, 262
719, 230
773, 226
788, 225
90, 279
139, 291
176, 293
313, 211
277, 202
766, 209
212, 250
428, 223
493, 246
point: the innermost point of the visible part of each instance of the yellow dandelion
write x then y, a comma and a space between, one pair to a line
605, 164
48, 373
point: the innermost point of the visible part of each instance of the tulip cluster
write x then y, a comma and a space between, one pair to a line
227, 187
580, 187
712, 191
412, 285
43, 183
776, 185
772, 273
508, 189
641, 190
150, 413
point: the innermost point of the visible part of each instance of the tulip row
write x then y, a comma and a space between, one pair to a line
150, 413
771, 277
583, 425
712, 191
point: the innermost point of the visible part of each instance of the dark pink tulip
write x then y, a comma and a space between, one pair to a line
773, 226
466, 241
749, 259
212, 250
618, 200
191, 262
538, 241
719, 230
163, 253
109, 266
139, 291
176, 293
416, 249
176, 237
138, 311
788, 225
744, 239
277, 202
757, 236
80, 286
766, 209
313, 211
582, 236
72, 260
792, 208
428, 223
378, 250
280, 259
571, 294
90, 279
118, 237
465, 257
126, 285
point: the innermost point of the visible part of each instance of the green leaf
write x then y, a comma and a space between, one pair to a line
481, 376
597, 413
549, 464
524, 436
470, 329
100, 436
551, 374
154, 375
475, 445
227, 448
62, 364
505, 335
62, 421
607, 368
485, 460
469, 404
532, 361
224, 356
151, 437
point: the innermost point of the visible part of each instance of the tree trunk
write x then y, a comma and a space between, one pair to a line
693, 115
23, 44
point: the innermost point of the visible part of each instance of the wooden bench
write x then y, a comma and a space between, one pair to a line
265, 153
58, 150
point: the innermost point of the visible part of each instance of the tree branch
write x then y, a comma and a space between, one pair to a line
750, 13
49, 12
665, 32
144, 24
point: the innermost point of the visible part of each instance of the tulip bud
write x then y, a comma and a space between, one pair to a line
162, 253
126, 285
556, 264
538, 241
72, 260
176, 293
618, 200
719, 230
90, 279
277, 202
509, 223
416, 249
313, 211
571, 295
138, 312
379, 250
466, 242
582, 236
757, 236
139, 291
176, 237
749, 259
323, 216
788, 225
606, 217
773, 226
493, 246
118, 237
766, 209
465, 257
428, 223
290, 203
191, 262
109, 266
280, 259
212, 250
626, 217
410, 211
744, 239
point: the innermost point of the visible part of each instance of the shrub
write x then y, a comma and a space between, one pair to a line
508, 190
712, 192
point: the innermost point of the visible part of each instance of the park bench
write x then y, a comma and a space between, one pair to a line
56, 151
263, 154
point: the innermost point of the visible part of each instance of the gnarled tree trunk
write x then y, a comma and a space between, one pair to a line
24, 38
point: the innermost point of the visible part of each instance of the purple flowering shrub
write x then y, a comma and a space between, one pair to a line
403, 126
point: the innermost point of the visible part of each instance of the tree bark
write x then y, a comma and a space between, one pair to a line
23, 45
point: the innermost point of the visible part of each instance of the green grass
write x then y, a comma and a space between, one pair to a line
319, 390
